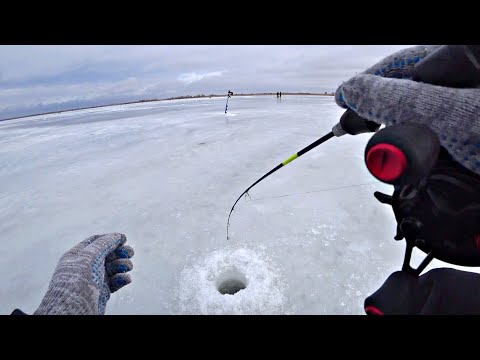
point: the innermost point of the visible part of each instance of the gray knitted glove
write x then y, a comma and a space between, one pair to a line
86, 275
386, 94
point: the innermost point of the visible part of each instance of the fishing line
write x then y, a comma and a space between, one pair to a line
278, 167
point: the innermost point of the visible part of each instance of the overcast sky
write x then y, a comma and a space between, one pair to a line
36, 79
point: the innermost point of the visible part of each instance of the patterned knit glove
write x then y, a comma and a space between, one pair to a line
386, 94
86, 275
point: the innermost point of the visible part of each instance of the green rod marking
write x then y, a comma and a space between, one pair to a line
290, 159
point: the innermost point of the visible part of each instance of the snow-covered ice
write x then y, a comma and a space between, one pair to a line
312, 239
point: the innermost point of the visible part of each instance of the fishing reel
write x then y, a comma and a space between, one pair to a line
436, 200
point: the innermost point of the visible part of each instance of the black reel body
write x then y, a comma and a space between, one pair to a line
436, 200
440, 214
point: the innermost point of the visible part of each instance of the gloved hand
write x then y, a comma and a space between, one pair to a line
438, 292
386, 94
86, 275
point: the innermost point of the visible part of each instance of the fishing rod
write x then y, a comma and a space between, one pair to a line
450, 65
350, 123
424, 174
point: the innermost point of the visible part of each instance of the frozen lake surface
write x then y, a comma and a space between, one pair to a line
312, 239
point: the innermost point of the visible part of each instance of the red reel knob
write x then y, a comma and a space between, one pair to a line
386, 162
402, 154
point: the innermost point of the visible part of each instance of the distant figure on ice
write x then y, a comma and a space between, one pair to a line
277, 94
230, 93
280, 94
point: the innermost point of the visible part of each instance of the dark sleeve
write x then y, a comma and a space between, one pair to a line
441, 291
18, 312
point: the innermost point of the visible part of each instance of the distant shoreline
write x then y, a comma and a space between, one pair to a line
167, 99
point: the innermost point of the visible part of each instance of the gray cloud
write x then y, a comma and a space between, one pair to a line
55, 77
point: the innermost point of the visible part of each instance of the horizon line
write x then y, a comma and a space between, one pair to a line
166, 99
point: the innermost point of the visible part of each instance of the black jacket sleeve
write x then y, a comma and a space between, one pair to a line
440, 291
18, 312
